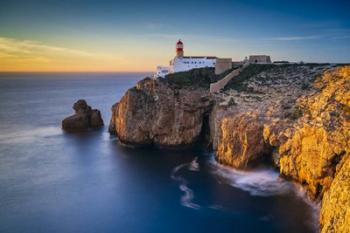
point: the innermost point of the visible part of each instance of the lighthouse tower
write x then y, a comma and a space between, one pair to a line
179, 49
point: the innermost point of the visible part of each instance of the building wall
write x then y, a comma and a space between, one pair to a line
179, 64
219, 85
161, 71
259, 59
223, 64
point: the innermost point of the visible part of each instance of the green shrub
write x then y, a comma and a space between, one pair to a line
239, 82
201, 77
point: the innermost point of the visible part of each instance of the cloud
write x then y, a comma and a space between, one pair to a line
295, 38
26, 55
14, 48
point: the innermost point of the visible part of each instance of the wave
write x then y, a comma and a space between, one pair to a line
260, 182
29, 135
265, 182
194, 165
188, 195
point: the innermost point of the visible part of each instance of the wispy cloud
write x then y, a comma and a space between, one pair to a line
15, 48
295, 38
16, 54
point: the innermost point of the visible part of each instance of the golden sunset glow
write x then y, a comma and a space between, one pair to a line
27, 55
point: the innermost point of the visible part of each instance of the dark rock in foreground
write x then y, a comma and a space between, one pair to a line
84, 118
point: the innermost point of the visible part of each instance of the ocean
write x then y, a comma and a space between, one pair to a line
51, 181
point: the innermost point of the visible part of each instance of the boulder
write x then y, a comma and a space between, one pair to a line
84, 118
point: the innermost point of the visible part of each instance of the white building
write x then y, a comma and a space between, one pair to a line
183, 63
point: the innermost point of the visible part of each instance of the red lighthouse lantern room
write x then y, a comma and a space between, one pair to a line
179, 48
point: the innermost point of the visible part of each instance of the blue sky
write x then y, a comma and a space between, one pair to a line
115, 35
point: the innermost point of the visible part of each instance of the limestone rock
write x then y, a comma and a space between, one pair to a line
96, 119
298, 115
335, 211
308, 130
241, 141
322, 135
83, 119
157, 113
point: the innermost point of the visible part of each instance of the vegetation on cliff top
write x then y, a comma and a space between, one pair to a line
201, 77
240, 82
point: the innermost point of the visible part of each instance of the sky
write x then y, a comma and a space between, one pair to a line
135, 35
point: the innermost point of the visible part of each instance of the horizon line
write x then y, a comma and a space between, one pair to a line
73, 71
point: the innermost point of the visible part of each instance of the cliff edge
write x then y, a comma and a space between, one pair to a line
297, 116
155, 112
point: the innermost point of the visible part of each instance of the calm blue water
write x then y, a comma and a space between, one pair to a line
56, 182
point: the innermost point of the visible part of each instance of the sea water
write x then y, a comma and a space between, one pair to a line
51, 181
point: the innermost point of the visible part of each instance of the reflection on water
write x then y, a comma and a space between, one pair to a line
51, 181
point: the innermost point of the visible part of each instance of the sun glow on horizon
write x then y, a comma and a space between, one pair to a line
33, 56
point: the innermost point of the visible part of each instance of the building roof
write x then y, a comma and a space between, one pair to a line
197, 57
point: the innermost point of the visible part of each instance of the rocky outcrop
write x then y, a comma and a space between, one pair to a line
158, 113
321, 136
335, 211
298, 116
84, 118
251, 117
241, 140
307, 131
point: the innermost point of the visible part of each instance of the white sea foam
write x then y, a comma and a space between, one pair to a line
261, 182
29, 135
188, 195
194, 165
186, 199
265, 182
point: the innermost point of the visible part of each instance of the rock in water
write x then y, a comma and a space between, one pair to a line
83, 119
96, 119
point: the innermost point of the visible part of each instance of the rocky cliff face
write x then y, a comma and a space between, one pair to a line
158, 113
306, 131
298, 116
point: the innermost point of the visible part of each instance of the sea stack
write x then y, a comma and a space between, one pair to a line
84, 118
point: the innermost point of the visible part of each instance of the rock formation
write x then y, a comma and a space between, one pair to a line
157, 113
306, 130
335, 211
297, 116
83, 119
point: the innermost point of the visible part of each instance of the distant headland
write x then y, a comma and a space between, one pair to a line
295, 115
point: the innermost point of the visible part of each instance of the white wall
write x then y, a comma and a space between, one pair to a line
179, 64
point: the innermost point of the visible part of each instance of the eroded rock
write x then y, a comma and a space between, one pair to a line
309, 131
291, 113
84, 118
157, 113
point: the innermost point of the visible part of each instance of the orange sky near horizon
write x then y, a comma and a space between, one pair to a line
33, 56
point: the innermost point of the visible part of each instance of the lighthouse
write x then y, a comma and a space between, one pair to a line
183, 63
179, 49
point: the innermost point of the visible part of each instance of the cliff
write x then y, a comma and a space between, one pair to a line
301, 121
156, 112
296, 116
